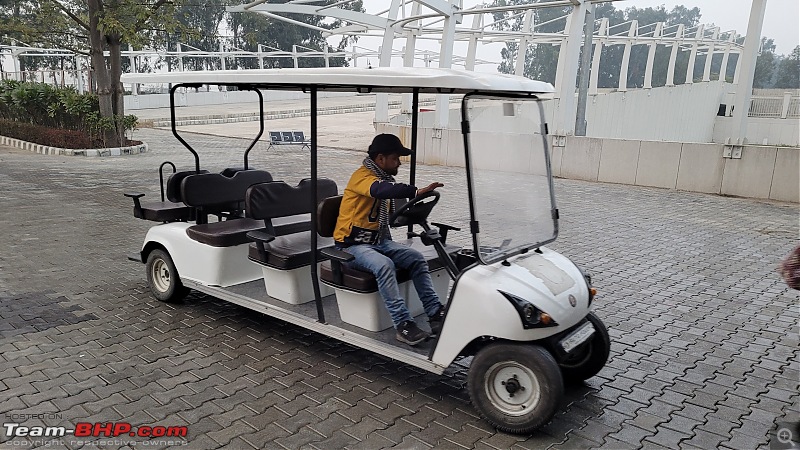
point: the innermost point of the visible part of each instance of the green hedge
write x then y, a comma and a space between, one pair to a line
55, 109
39, 134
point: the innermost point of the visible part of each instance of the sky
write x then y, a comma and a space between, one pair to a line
781, 22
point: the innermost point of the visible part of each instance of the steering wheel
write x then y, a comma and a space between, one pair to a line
416, 211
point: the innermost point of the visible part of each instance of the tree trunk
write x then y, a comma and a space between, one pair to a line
105, 89
118, 93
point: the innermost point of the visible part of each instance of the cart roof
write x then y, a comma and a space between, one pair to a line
382, 79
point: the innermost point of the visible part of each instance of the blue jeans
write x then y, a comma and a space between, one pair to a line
380, 260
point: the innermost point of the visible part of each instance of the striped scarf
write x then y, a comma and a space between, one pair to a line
383, 210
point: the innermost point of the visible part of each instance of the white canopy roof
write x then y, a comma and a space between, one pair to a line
382, 79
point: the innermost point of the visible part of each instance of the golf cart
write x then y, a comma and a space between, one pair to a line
519, 309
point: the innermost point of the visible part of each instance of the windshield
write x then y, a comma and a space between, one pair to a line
511, 185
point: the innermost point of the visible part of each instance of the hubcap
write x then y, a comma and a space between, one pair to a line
512, 388
160, 275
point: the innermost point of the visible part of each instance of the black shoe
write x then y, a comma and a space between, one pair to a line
436, 321
410, 333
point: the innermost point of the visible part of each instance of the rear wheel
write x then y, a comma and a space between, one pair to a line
515, 387
163, 279
587, 360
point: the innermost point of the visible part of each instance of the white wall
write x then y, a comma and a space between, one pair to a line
761, 130
768, 172
684, 113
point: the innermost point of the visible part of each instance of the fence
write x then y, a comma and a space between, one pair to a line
63, 78
786, 106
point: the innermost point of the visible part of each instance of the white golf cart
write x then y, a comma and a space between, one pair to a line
520, 310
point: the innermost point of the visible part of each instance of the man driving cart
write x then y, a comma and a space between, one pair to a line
362, 229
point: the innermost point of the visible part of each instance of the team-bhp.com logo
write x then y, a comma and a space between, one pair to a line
86, 429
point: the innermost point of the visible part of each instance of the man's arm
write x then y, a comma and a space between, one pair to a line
387, 189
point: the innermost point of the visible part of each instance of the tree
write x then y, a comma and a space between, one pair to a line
789, 71
99, 25
765, 64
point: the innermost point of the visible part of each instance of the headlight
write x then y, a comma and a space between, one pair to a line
531, 316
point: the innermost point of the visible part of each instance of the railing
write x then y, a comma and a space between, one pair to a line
785, 107
61, 78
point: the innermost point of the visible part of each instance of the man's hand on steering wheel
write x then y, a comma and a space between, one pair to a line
428, 188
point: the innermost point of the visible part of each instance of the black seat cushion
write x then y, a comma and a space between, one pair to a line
360, 281
234, 232
164, 212
278, 199
211, 189
174, 184
224, 234
288, 252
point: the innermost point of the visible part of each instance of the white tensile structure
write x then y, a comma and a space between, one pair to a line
448, 23
649, 136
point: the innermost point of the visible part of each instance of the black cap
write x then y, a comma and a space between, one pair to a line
387, 144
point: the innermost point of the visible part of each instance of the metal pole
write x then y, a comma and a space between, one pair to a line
744, 89
314, 203
583, 76
414, 125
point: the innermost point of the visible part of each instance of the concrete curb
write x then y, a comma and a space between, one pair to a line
47, 150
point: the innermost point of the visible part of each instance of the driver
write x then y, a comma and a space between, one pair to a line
362, 229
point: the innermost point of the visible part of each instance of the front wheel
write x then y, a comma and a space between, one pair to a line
515, 387
163, 279
587, 360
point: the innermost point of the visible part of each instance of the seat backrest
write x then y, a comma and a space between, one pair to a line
327, 214
299, 136
174, 184
230, 171
278, 199
275, 136
287, 136
215, 189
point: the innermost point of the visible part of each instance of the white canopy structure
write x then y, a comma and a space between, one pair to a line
383, 79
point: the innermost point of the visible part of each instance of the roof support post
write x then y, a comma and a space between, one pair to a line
693, 55
445, 62
134, 86
522, 48
710, 56
583, 77
79, 75
180, 56
744, 88
472, 48
408, 56
673, 57
385, 60
565, 117
598, 52
626, 56
723, 70
651, 56
562, 60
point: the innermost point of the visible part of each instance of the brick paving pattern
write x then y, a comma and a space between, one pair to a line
704, 333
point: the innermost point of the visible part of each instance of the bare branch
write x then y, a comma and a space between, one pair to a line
70, 14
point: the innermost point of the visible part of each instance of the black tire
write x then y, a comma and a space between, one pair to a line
587, 360
515, 387
163, 279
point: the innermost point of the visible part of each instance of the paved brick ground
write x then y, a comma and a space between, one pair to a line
705, 339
